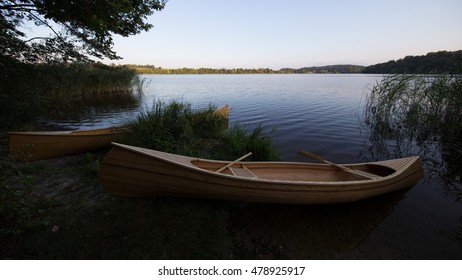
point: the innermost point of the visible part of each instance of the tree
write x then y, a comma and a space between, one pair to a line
79, 28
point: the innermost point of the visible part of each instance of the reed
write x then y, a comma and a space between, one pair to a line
63, 80
408, 114
177, 128
29, 91
419, 107
238, 141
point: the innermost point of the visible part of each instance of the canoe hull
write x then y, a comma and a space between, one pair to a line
29, 146
224, 113
136, 172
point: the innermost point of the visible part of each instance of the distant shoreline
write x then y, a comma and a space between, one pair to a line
330, 69
442, 62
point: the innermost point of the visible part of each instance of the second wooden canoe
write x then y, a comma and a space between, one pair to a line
28, 146
224, 113
138, 172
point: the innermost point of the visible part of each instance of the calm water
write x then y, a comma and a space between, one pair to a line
321, 114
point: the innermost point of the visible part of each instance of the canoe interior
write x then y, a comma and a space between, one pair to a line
295, 172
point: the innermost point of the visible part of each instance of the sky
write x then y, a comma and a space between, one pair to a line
292, 33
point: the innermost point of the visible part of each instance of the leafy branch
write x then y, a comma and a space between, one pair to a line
86, 26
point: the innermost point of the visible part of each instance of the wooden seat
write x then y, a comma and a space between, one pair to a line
242, 172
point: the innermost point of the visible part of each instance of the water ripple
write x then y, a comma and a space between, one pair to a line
313, 112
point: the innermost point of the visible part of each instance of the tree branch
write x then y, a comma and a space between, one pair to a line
44, 22
19, 7
35, 38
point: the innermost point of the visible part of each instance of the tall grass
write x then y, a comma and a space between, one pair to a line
29, 91
421, 108
406, 114
177, 128
64, 80
238, 141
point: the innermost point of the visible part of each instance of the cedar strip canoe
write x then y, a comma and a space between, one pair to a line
137, 172
29, 146
224, 113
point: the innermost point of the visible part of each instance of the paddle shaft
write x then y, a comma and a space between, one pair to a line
356, 172
233, 162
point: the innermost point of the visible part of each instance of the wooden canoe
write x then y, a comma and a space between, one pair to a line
138, 172
224, 113
30, 146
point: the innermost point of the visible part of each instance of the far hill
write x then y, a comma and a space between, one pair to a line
344, 68
442, 62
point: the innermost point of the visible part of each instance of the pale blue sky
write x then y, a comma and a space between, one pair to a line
293, 33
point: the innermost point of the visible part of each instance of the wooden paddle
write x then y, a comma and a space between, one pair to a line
233, 162
353, 171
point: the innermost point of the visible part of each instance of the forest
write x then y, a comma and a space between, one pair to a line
341, 69
151, 69
330, 69
442, 62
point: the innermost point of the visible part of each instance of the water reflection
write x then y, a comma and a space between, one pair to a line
96, 111
265, 231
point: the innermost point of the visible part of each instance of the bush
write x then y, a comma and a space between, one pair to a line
177, 128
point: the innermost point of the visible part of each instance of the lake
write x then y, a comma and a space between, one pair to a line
321, 114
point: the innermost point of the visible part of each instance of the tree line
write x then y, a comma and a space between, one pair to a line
340, 69
151, 69
442, 62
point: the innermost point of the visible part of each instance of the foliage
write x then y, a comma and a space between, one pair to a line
407, 114
78, 79
422, 107
168, 127
86, 27
30, 91
177, 128
150, 69
238, 142
442, 62
343, 69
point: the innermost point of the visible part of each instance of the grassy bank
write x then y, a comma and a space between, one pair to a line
177, 128
55, 209
29, 91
